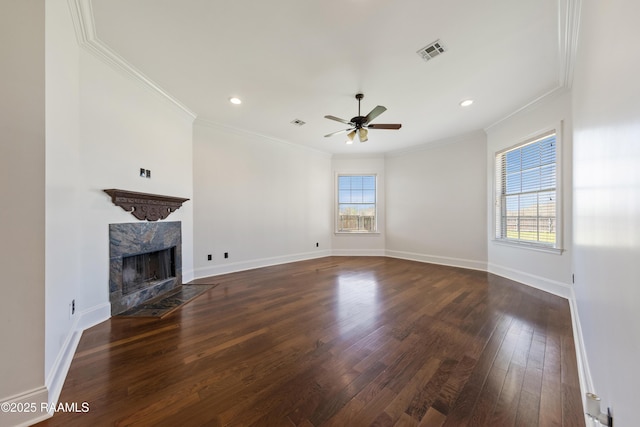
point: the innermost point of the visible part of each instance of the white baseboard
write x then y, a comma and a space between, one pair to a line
35, 400
233, 267
187, 275
440, 260
358, 252
553, 287
58, 373
94, 315
84, 320
584, 372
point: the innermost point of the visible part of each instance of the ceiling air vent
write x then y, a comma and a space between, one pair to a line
298, 122
432, 50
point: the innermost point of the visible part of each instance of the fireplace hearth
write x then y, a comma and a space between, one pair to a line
145, 260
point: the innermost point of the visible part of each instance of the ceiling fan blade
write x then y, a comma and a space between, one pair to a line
338, 132
384, 126
338, 119
374, 113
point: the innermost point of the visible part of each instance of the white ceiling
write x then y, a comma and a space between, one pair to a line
304, 59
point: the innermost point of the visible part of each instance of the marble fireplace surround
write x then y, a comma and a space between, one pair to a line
138, 238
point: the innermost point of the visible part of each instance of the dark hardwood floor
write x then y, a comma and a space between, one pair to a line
338, 341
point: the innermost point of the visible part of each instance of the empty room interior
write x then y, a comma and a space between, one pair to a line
285, 213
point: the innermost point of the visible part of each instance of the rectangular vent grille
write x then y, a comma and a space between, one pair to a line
432, 50
298, 122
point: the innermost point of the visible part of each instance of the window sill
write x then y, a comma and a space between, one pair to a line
356, 233
530, 246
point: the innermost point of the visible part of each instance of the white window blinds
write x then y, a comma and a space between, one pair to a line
526, 192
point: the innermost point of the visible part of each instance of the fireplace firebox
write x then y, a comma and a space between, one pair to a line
145, 260
142, 270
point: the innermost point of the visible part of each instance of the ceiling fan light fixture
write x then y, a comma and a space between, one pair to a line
362, 134
361, 124
351, 135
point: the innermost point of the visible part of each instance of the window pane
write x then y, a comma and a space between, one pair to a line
512, 161
547, 204
369, 196
369, 182
356, 182
531, 180
344, 182
514, 183
530, 156
548, 150
512, 205
344, 196
347, 209
548, 177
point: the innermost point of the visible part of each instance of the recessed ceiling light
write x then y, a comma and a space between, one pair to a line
466, 102
235, 100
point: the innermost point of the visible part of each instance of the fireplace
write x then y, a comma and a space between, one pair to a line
145, 260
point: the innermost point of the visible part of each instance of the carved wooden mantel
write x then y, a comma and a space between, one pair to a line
144, 206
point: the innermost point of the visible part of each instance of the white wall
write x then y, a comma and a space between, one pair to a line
436, 199
102, 127
63, 280
544, 270
22, 215
606, 110
263, 201
359, 244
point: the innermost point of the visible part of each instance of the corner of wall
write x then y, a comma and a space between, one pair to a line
85, 320
35, 400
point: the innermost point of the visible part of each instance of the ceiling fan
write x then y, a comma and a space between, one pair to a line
360, 124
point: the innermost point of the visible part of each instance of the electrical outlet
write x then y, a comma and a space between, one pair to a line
143, 173
317, 245
226, 254
73, 307
148, 173
209, 257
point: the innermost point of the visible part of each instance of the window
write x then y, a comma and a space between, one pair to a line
526, 192
356, 204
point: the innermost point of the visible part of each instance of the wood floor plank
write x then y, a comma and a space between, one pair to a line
336, 341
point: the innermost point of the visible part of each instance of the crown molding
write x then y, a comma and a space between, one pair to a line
84, 25
568, 31
255, 135
553, 93
464, 137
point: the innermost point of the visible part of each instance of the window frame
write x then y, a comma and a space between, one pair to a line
337, 229
557, 247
